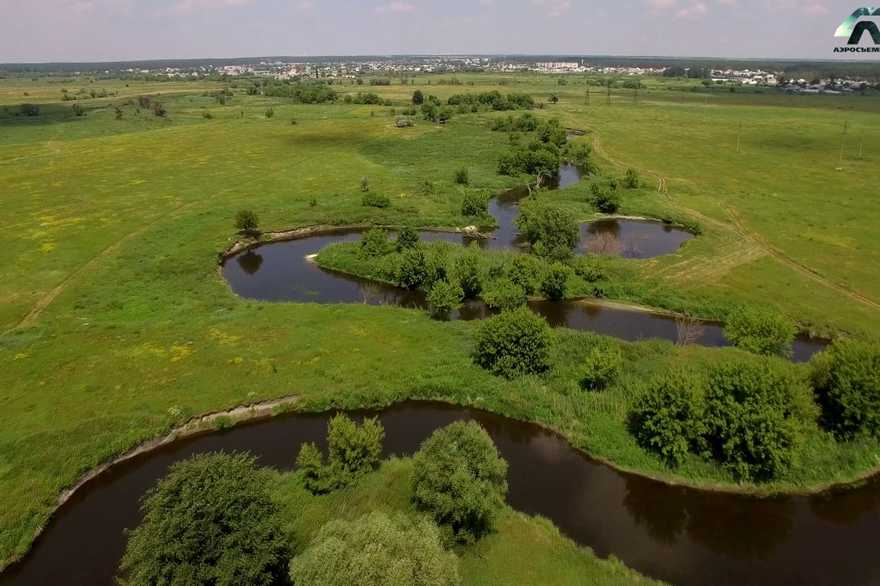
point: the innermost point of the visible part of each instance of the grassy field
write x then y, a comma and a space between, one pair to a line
522, 550
117, 324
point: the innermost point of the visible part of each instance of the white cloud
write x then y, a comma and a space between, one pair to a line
815, 9
188, 6
656, 6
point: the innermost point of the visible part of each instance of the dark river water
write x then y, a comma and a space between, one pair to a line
677, 534
280, 271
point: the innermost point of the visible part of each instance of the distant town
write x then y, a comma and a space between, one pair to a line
825, 77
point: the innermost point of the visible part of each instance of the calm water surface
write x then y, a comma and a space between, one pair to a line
680, 535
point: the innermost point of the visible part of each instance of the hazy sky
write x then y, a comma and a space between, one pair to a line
104, 30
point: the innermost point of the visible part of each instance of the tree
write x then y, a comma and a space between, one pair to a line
846, 381
555, 282
466, 272
474, 204
418, 98
755, 413
460, 479
461, 176
600, 367
555, 229
631, 179
159, 110
606, 199
211, 520
365, 184
353, 450
443, 297
246, 222
504, 294
375, 200
78, 110
376, 550
375, 243
667, 418
119, 112
412, 270
270, 112
407, 238
760, 331
29, 109
514, 343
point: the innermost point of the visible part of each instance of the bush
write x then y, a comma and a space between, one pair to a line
504, 294
353, 450
407, 238
600, 368
460, 479
631, 179
474, 204
246, 222
159, 110
375, 243
412, 270
760, 331
418, 98
555, 229
78, 110
376, 550
667, 419
755, 411
514, 343
375, 200
555, 282
29, 109
461, 176
605, 199
365, 184
270, 112
211, 520
466, 272
443, 297
524, 272
846, 380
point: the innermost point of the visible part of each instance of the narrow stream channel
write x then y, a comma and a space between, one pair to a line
280, 271
680, 535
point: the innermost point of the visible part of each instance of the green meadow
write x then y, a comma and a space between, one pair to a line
115, 324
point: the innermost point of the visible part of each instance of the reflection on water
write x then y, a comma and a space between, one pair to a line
673, 533
632, 238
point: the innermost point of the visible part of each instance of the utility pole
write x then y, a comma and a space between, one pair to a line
587, 95
738, 133
861, 142
842, 139
609, 92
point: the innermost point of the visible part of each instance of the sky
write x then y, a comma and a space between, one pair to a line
111, 30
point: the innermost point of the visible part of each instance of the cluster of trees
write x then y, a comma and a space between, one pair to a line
526, 122
212, 519
310, 92
493, 100
353, 450
370, 98
540, 157
551, 231
751, 414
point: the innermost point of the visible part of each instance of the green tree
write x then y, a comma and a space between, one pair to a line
605, 198
631, 179
760, 331
600, 367
460, 479
667, 418
353, 450
376, 550
504, 294
525, 272
554, 229
443, 297
407, 238
375, 243
211, 520
555, 282
755, 413
418, 98
461, 176
375, 200
846, 380
412, 270
466, 272
246, 222
514, 343
473, 204
270, 112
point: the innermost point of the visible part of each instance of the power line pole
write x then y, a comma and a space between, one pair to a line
738, 140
